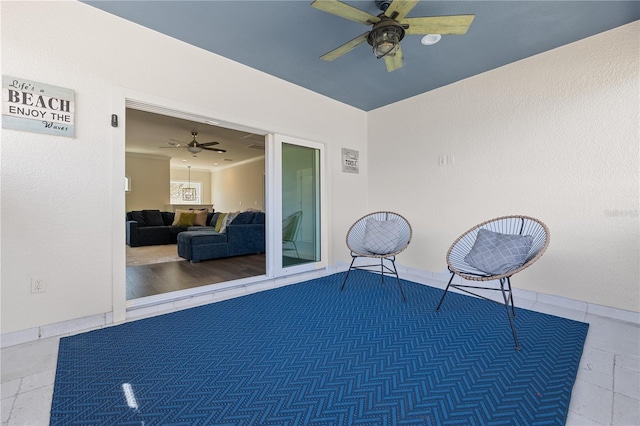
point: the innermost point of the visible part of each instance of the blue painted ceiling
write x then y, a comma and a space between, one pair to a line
286, 39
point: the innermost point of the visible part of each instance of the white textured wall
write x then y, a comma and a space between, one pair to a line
58, 222
554, 136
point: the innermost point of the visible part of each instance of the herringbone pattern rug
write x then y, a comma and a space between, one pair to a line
307, 354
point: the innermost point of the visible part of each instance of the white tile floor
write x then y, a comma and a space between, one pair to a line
606, 392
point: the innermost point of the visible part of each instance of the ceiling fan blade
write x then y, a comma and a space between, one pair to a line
345, 48
343, 10
209, 143
458, 24
213, 149
394, 62
398, 9
172, 147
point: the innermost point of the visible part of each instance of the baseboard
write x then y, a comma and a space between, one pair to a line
185, 300
526, 298
63, 328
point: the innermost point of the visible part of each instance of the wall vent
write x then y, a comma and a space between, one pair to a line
253, 137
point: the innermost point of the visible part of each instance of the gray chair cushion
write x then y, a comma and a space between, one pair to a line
496, 253
381, 237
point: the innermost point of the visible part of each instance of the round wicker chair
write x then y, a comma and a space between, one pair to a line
458, 258
379, 235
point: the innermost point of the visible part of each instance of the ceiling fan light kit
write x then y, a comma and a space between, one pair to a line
385, 37
389, 28
194, 147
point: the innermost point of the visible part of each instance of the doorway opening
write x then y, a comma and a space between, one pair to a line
270, 200
225, 172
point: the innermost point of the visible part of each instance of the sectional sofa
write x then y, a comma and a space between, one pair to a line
244, 234
153, 227
212, 236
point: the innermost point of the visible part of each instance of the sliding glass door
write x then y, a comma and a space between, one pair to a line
300, 205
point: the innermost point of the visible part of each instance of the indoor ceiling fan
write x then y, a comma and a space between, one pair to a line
389, 27
194, 147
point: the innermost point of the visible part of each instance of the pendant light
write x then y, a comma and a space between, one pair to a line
189, 193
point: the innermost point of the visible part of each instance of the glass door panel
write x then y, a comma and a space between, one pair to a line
301, 209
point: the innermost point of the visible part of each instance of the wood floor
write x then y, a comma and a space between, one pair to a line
165, 274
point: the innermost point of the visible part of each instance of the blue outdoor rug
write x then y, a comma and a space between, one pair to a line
307, 354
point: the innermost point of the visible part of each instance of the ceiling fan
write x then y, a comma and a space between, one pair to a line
389, 27
194, 147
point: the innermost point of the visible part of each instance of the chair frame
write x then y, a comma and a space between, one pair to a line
514, 225
292, 240
354, 243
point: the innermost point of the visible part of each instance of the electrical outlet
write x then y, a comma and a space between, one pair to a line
451, 159
442, 160
37, 285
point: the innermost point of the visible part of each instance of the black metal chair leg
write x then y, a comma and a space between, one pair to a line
445, 292
404, 298
353, 259
506, 305
513, 306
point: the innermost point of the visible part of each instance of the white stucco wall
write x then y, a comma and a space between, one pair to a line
554, 136
58, 195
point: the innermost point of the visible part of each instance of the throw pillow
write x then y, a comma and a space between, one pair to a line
138, 217
167, 218
243, 218
186, 219
176, 218
214, 219
220, 221
201, 217
259, 218
227, 220
153, 217
496, 253
381, 236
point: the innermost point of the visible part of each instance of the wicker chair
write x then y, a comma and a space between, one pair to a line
464, 250
290, 228
380, 235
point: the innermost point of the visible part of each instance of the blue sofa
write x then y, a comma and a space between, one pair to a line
244, 235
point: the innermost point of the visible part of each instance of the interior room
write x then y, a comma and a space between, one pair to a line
227, 175
531, 109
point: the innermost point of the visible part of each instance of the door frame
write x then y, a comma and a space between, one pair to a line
123, 98
274, 206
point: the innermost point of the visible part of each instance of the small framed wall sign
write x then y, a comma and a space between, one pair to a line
350, 161
30, 106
